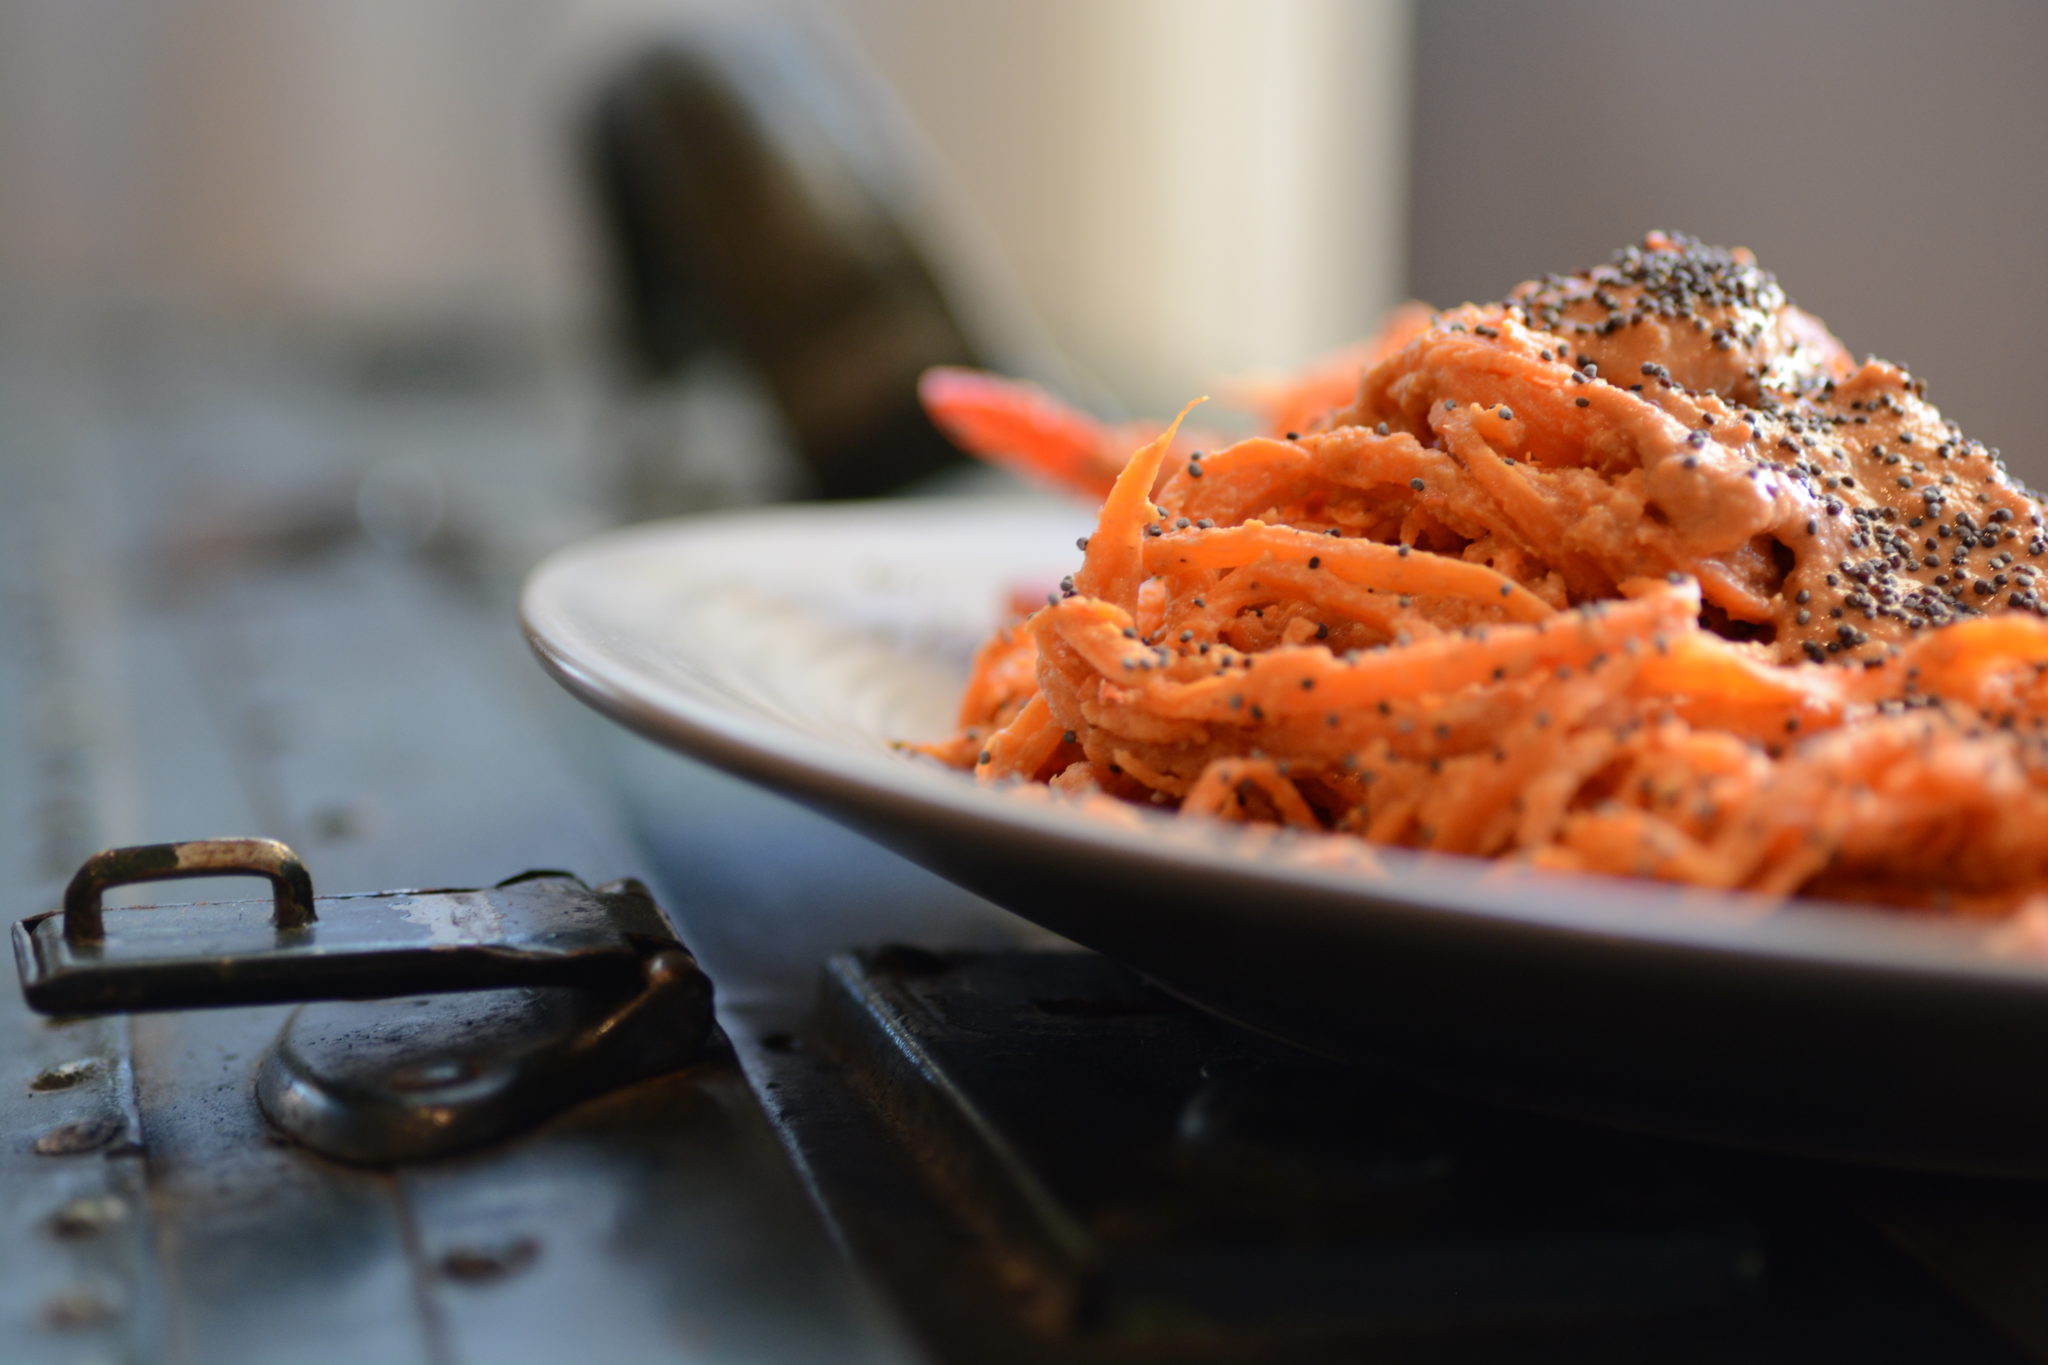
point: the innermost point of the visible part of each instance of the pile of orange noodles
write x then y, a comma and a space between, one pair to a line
1633, 573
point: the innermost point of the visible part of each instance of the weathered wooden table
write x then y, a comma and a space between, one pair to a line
249, 590
269, 591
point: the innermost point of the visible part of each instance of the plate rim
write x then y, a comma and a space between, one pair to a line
1837, 937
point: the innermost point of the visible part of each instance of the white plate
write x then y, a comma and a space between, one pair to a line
796, 646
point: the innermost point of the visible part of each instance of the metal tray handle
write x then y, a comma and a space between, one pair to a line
193, 858
446, 1019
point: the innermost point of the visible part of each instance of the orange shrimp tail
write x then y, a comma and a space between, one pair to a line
1300, 402
1020, 427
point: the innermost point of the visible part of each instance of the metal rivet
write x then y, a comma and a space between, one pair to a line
87, 1216
69, 1139
71, 1309
65, 1075
479, 1264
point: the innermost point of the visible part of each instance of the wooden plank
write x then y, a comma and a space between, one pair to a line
76, 1267
223, 1223
381, 714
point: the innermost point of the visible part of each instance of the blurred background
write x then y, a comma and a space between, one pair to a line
321, 321
1129, 199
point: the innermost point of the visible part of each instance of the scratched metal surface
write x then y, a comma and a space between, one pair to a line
200, 640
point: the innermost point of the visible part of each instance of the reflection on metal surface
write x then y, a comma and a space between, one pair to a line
454, 917
393, 1081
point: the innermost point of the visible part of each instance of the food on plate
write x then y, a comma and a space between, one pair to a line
1633, 572
1023, 428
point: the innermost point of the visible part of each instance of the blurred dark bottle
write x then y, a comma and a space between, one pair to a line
752, 206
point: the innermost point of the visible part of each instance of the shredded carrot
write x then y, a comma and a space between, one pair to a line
1635, 573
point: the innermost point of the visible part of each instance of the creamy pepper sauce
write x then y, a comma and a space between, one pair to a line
1828, 510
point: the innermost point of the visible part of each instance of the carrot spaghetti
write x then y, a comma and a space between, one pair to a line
1635, 572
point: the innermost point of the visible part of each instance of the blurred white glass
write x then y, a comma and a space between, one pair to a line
1175, 188
1181, 189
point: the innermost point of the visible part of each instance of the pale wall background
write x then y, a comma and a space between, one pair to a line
1889, 160
1159, 182
1177, 188
1181, 189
